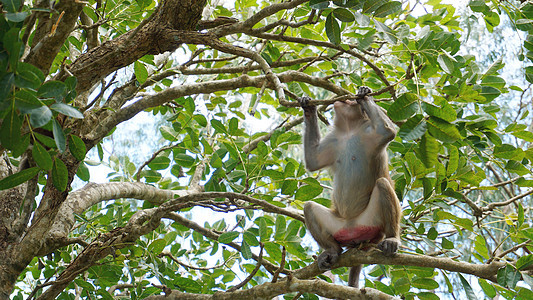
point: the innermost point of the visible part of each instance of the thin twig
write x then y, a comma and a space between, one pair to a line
281, 265
257, 266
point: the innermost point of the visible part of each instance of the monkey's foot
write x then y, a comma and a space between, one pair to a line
327, 259
354, 235
389, 246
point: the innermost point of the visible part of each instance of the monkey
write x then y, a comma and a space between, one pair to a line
364, 205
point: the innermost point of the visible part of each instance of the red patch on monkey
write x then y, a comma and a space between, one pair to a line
347, 236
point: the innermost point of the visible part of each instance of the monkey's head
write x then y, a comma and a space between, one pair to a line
348, 113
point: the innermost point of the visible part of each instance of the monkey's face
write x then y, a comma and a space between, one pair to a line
348, 111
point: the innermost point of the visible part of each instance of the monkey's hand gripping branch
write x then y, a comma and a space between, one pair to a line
309, 109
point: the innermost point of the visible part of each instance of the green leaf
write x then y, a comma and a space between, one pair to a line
201, 120
413, 129
263, 232
250, 238
218, 126
41, 156
516, 167
26, 100
187, 284
404, 107
168, 133
432, 233
308, 192
443, 130
388, 8
59, 175
343, 15
21, 147
77, 147
10, 130
428, 150
494, 81
508, 276
446, 63
470, 294
524, 24
524, 135
53, 89
40, 116
371, 6
319, 4
387, 32
524, 292
478, 6
507, 151
140, 72
233, 126
67, 110
6, 85
488, 288
228, 237
453, 160
427, 296
30, 74
83, 172
157, 246
160, 163
245, 250
524, 262
529, 74
289, 186
490, 93
71, 82
446, 112
18, 178
12, 5
447, 244
425, 283
59, 136
16, 17
184, 160
333, 30
480, 246
492, 19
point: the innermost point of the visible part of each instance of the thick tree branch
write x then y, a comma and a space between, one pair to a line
354, 257
269, 290
250, 22
80, 200
52, 36
151, 38
103, 126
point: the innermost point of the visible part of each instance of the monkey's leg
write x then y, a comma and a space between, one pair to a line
381, 218
384, 207
322, 223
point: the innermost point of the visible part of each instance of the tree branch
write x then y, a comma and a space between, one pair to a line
269, 290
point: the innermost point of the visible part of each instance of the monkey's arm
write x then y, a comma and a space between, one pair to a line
318, 154
381, 123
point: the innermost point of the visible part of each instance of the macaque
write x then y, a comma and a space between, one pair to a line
364, 205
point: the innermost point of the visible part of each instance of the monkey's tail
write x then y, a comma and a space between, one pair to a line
353, 278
